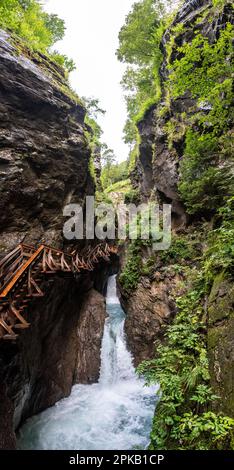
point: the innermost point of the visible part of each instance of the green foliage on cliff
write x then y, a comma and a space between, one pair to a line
130, 276
204, 182
122, 186
205, 71
218, 3
139, 47
184, 417
179, 250
199, 76
39, 29
219, 256
115, 174
203, 66
132, 196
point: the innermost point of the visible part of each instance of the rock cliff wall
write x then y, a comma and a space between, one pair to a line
44, 164
44, 153
157, 173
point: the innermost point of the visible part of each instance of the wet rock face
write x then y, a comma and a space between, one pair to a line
221, 341
149, 310
89, 334
44, 158
157, 169
146, 153
60, 349
38, 369
7, 435
43, 150
156, 174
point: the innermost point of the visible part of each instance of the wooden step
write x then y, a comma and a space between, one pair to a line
21, 326
10, 337
6, 326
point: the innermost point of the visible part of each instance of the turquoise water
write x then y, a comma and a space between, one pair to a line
114, 414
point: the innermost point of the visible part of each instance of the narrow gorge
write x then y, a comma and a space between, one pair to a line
111, 343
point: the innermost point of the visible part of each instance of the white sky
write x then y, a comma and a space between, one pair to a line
91, 41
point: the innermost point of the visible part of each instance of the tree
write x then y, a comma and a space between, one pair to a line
56, 27
108, 157
93, 107
130, 132
136, 37
39, 29
139, 47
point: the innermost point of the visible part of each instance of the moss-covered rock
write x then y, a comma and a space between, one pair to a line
221, 341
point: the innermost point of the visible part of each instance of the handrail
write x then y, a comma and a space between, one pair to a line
10, 255
57, 251
21, 271
12, 278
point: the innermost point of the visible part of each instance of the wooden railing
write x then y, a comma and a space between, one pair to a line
23, 270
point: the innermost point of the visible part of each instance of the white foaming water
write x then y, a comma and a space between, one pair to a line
114, 414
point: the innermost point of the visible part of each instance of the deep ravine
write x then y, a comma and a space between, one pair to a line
116, 413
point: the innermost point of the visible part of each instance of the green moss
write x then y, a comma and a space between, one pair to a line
146, 106
92, 170
67, 90
132, 197
121, 186
38, 29
219, 256
175, 129
130, 276
221, 299
203, 69
184, 418
216, 285
148, 267
219, 3
181, 249
213, 338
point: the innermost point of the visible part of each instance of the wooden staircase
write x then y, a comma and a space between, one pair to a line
23, 271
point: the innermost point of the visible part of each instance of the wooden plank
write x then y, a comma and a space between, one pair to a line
21, 271
30, 247
10, 255
59, 252
6, 327
19, 316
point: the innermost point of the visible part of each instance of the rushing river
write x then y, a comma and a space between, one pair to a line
114, 414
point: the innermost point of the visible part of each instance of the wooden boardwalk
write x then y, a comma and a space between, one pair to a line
23, 271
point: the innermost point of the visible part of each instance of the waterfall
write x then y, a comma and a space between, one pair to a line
111, 296
115, 414
116, 360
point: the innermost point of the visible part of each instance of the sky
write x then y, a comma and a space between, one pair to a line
91, 41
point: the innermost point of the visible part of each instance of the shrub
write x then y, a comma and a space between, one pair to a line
183, 418
119, 186
132, 197
219, 256
204, 70
131, 274
39, 29
181, 249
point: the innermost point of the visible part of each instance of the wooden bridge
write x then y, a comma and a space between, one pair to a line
23, 271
